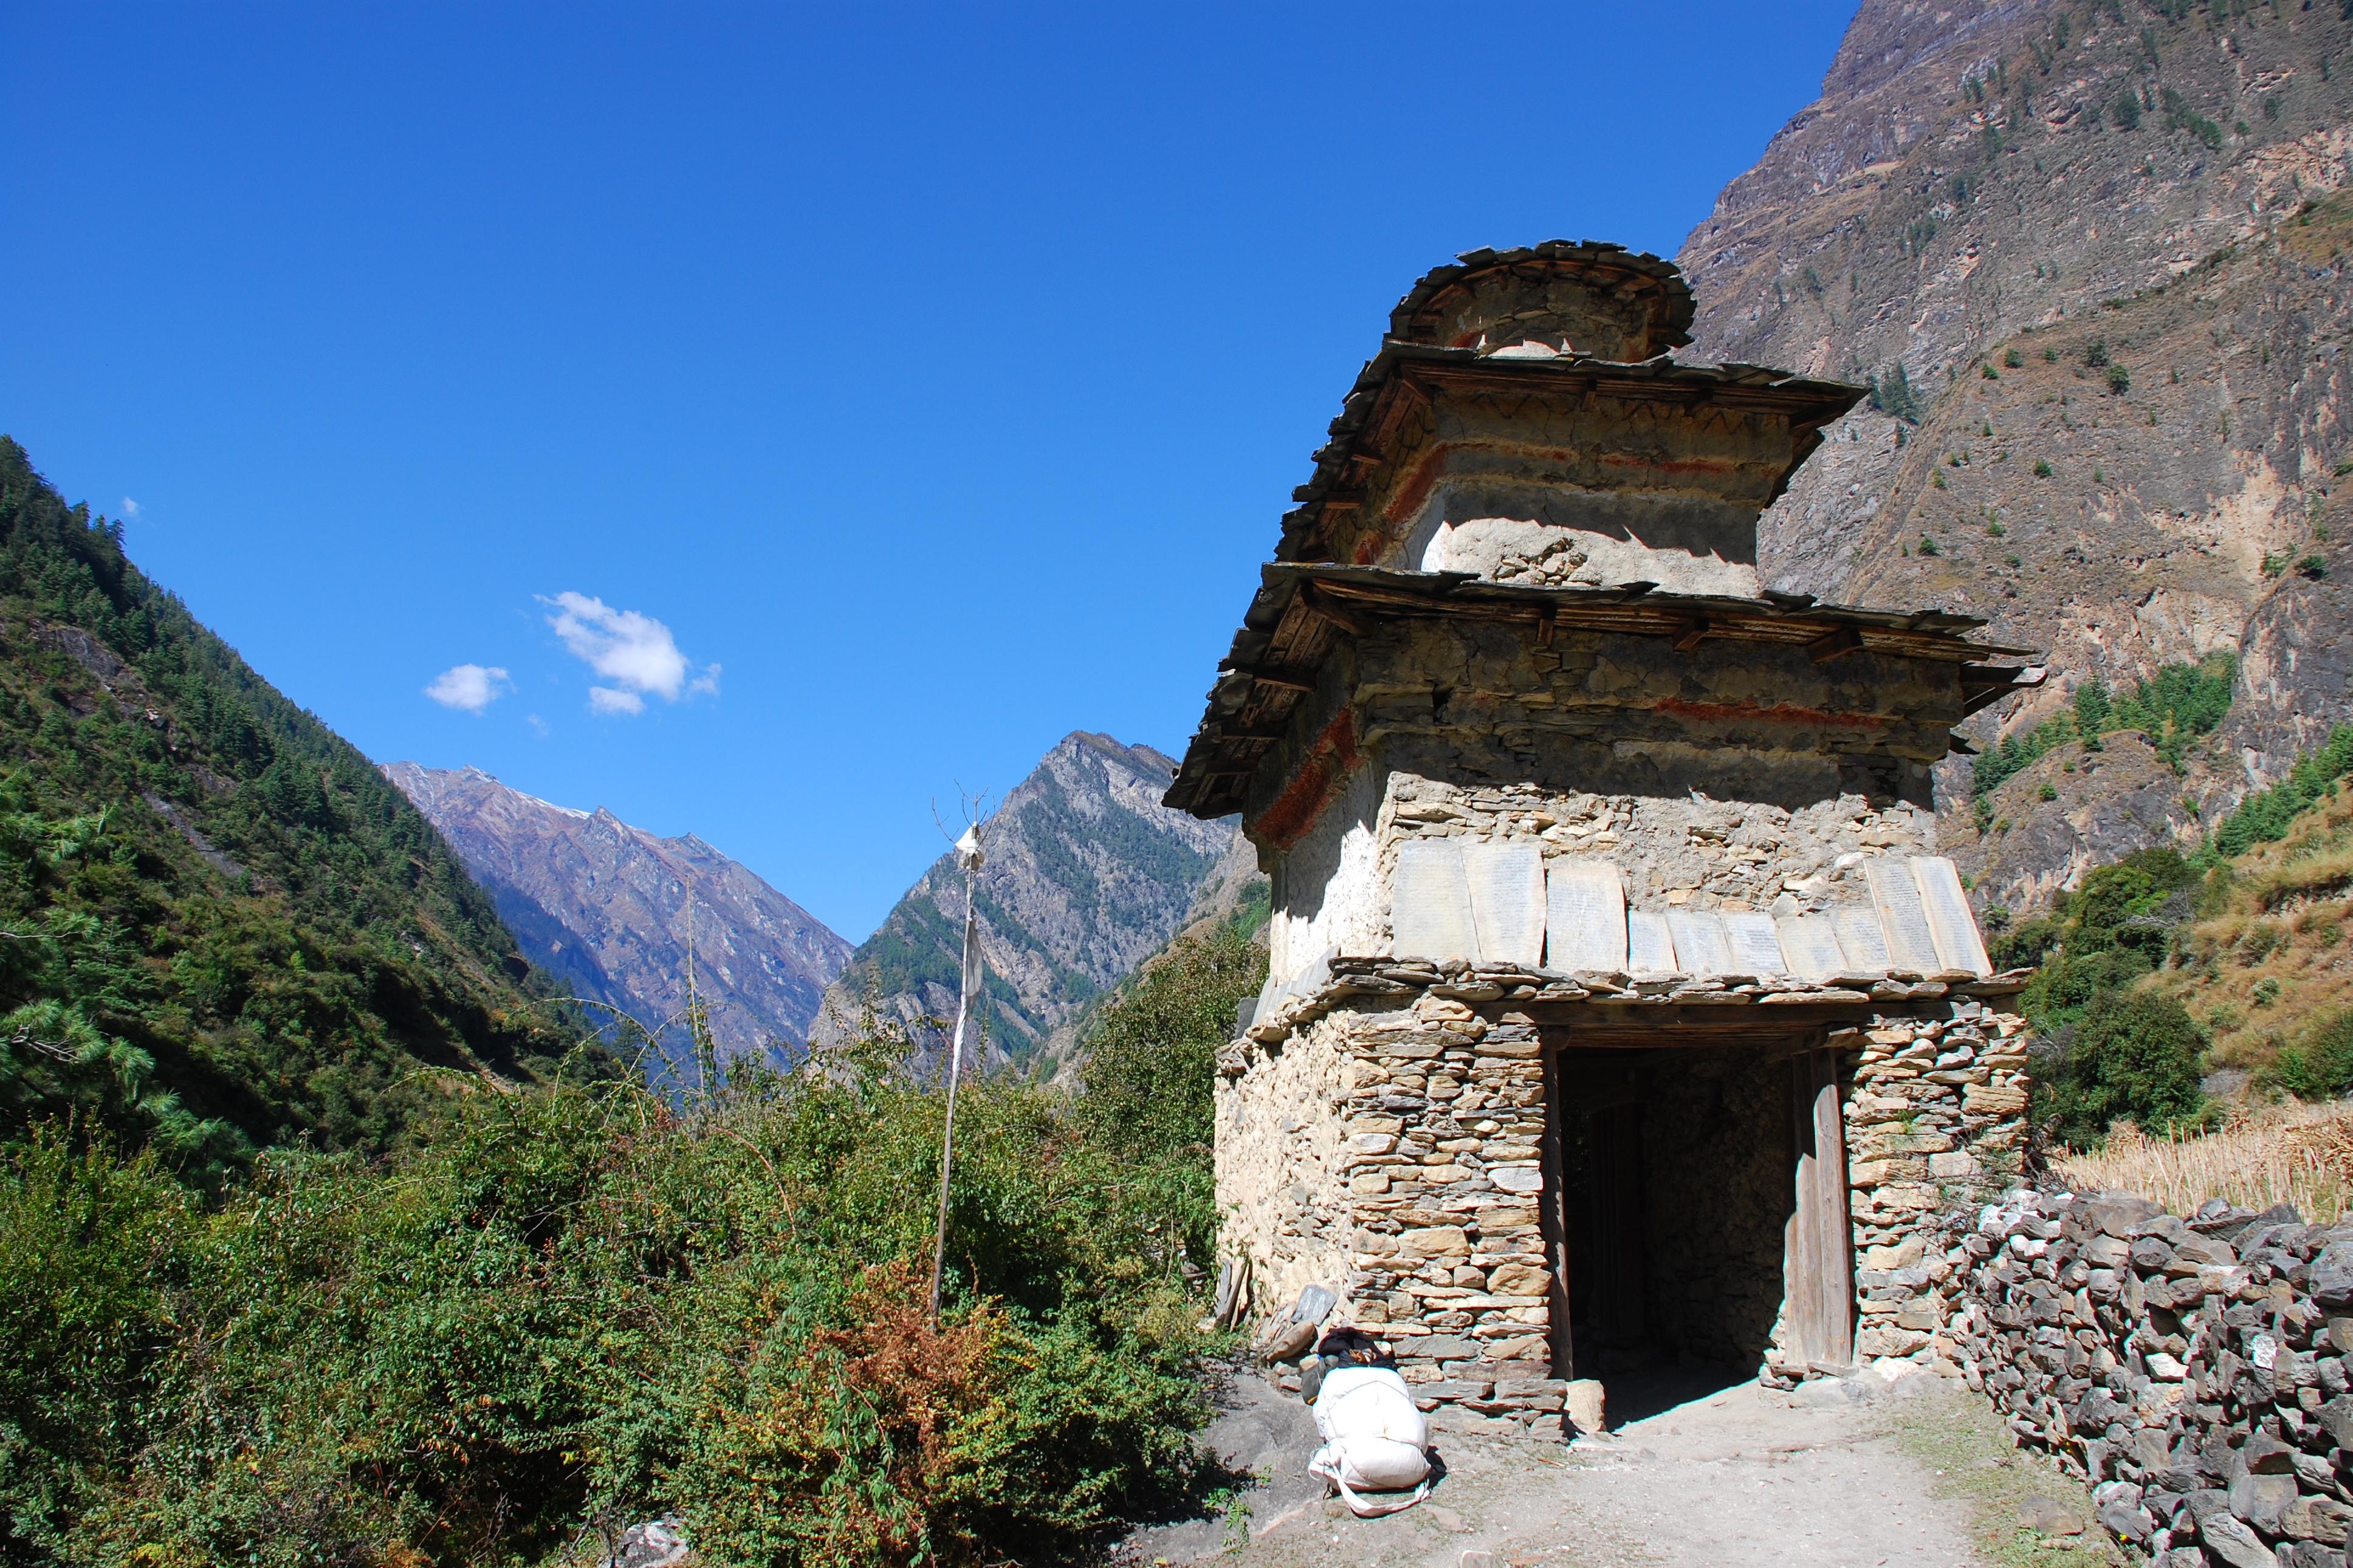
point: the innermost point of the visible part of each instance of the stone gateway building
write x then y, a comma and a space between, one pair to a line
1619, 1005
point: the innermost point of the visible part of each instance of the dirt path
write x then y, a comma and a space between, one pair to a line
1916, 1477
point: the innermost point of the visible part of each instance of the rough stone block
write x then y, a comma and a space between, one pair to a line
1519, 1279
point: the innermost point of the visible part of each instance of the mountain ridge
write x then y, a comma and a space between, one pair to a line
2090, 259
613, 909
1088, 874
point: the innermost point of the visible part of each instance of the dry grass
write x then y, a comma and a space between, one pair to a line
2276, 959
2300, 1155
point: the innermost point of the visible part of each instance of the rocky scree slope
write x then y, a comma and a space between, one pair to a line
225, 930
2091, 257
1088, 874
605, 906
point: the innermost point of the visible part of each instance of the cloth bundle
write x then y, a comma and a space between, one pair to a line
1373, 1441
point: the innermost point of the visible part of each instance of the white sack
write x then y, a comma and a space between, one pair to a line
1374, 1438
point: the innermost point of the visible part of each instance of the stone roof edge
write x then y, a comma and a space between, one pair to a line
1280, 583
1598, 253
1829, 399
1406, 980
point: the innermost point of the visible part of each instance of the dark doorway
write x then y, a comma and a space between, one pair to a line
1693, 1202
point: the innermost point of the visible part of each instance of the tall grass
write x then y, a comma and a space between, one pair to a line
2291, 1153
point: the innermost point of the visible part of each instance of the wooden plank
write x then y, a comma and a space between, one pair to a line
1819, 1254
1552, 1219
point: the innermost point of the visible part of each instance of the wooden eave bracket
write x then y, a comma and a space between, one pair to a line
1832, 643
1689, 637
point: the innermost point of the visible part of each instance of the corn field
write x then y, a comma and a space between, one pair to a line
2294, 1153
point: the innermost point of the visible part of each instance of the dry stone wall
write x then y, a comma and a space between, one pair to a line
1391, 1149
2193, 1369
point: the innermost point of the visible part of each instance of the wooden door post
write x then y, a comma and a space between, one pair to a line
1819, 1266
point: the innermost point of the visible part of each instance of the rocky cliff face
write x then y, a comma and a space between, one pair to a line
1088, 874
605, 906
2104, 245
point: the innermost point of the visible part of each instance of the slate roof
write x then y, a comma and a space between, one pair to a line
1301, 610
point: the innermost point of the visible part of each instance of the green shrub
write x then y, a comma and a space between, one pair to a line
586, 1299
2119, 380
2136, 1057
2041, 469
2319, 1065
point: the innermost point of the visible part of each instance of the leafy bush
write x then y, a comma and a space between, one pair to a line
2319, 1065
588, 1301
2137, 1057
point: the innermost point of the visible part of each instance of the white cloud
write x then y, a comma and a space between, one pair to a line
471, 687
538, 725
130, 508
635, 652
605, 699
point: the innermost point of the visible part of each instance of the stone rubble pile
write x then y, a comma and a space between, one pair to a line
2194, 1372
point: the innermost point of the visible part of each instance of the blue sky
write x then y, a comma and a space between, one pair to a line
789, 414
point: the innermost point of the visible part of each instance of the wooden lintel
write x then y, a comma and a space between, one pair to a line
1832, 643
1344, 500
1544, 625
1282, 683
1689, 637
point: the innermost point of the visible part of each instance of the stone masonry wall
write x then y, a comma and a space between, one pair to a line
1937, 1114
1395, 1156
1684, 851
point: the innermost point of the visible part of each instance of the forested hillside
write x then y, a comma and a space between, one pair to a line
219, 924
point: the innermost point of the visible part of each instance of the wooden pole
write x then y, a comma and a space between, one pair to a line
968, 856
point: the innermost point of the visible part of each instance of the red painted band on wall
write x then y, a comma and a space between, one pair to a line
1331, 758
1779, 714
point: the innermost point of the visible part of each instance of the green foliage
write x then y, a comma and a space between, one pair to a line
2125, 110
2137, 1057
2011, 359
2095, 352
2016, 752
1892, 394
2173, 708
1151, 1060
2041, 469
2111, 930
2319, 1064
218, 923
2179, 116
578, 1301
2263, 816
1927, 545
2119, 380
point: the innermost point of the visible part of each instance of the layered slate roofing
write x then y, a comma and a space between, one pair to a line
1298, 611
1305, 600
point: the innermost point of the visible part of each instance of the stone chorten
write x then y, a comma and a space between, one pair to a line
1609, 945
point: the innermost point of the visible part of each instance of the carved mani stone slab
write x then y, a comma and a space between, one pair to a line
1584, 916
1429, 905
1951, 925
1903, 918
1650, 946
1507, 902
1756, 949
1700, 942
1810, 945
1860, 938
